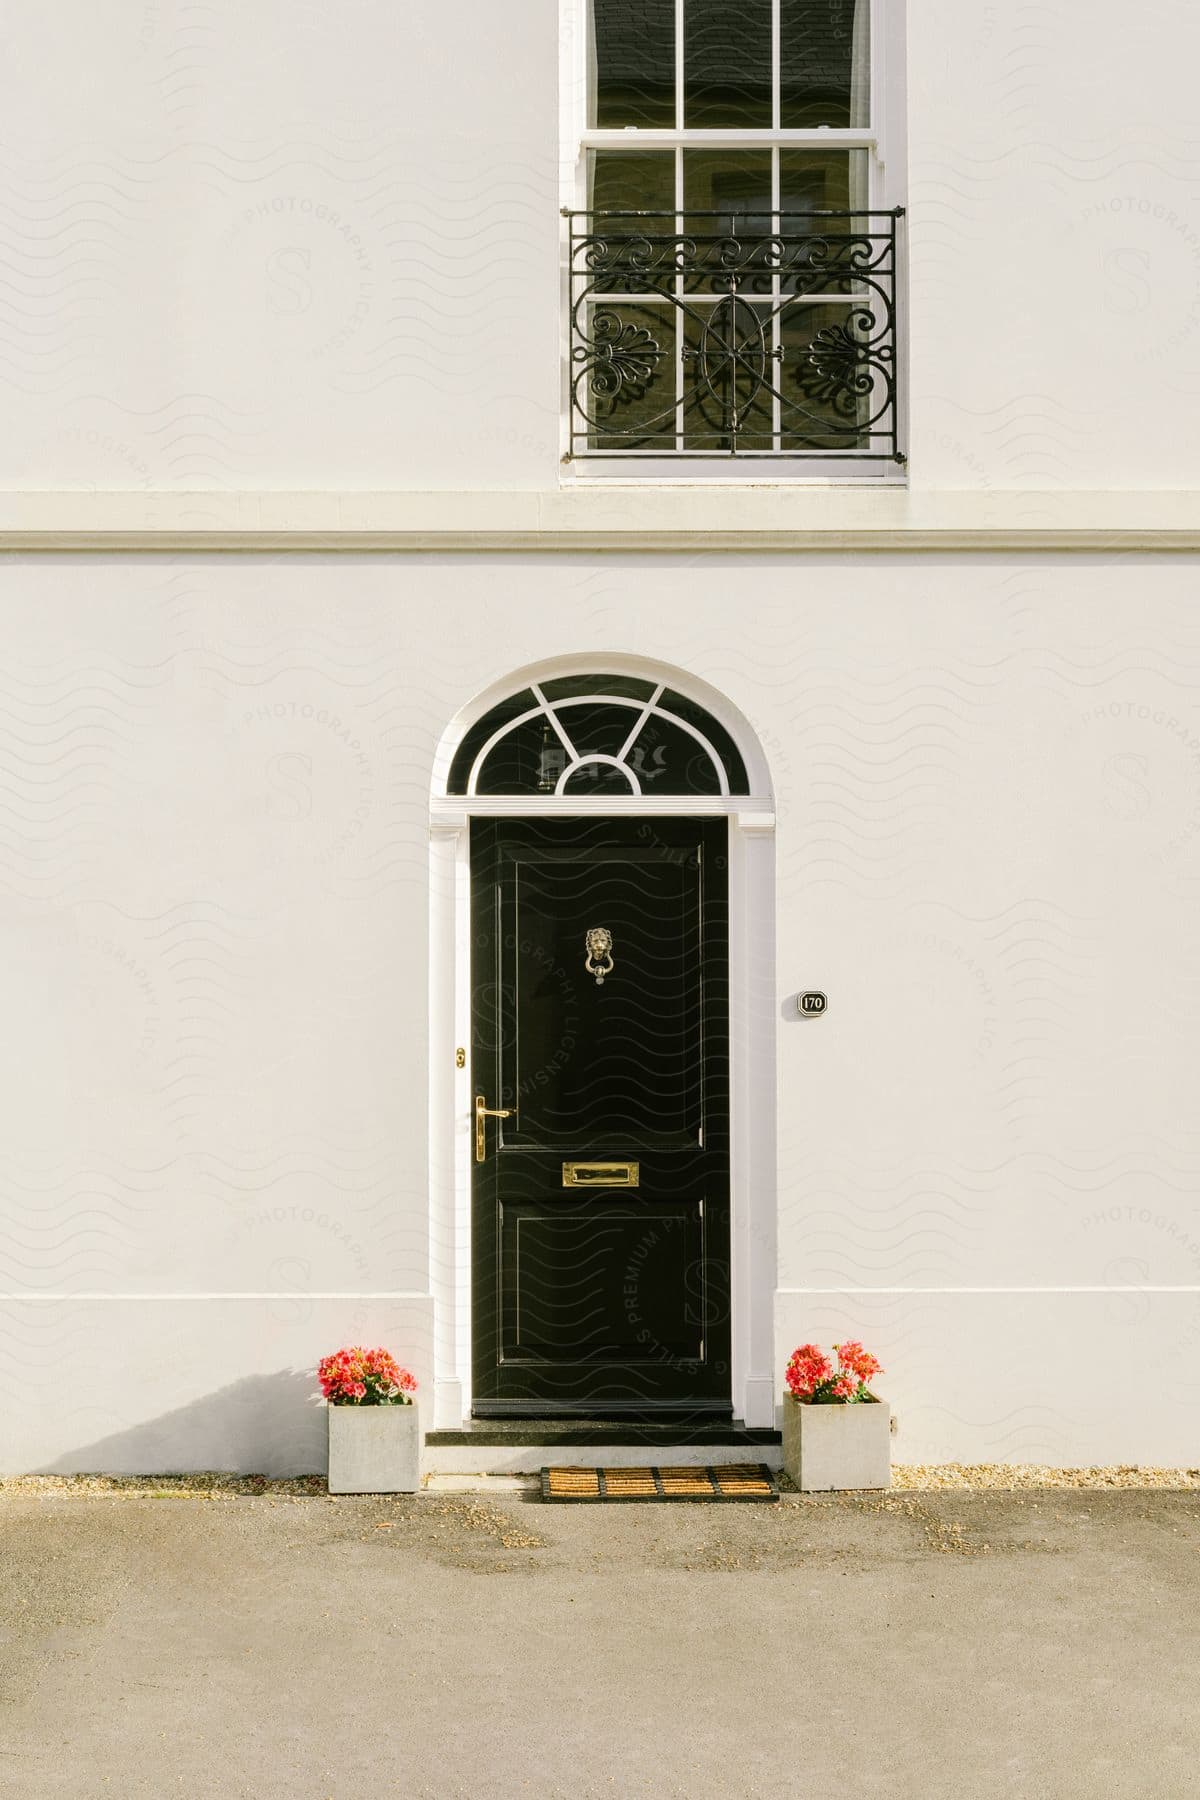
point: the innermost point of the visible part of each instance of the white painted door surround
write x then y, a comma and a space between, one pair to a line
752, 1029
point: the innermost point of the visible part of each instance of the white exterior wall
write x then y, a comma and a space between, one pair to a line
297, 248
314, 248
214, 1102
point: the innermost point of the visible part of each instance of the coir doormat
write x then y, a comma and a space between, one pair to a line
724, 1481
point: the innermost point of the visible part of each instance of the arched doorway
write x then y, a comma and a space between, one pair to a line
602, 1023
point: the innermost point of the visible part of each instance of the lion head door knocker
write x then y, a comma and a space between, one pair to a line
599, 953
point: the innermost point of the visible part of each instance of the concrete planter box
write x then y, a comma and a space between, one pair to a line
837, 1446
374, 1450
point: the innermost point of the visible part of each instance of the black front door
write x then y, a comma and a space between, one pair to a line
601, 1202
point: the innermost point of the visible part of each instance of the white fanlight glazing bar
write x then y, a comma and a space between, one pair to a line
553, 717
661, 712
653, 710
645, 710
613, 762
651, 703
498, 736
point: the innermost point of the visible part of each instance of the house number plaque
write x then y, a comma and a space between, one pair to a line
812, 1004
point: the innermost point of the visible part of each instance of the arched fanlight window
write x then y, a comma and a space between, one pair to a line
601, 735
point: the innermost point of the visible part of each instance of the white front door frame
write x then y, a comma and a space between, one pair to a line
752, 1022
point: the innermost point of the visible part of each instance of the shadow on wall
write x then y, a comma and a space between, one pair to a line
261, 1425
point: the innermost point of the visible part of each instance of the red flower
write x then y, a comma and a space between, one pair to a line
358, 1377
806, 1370
811, 1376
860, 1362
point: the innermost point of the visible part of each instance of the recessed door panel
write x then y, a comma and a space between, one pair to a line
597, 1062
602, 1281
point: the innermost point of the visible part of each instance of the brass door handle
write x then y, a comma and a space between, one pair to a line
484, 1112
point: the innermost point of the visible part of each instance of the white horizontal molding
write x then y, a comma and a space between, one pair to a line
751, 814
1135, 1287
607, 516
275, 1294
821, 137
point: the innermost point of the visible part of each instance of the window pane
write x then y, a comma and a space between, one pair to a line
632, 181
629, 687
822, 180
718, 737
623, 375
598, 778
727, 63
633, 63
620, 181
516, 764
481, 731
667, 760
824, 63
734, 184
834, 386
598, 730
730, 373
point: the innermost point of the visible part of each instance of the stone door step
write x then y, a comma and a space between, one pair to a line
441, 1459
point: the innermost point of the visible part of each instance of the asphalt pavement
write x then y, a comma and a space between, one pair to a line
1033, 1645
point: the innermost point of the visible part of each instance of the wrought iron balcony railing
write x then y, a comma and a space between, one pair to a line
702, 335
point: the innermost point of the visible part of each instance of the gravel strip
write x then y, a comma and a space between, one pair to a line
205, 1484
906, 1477
973, 1477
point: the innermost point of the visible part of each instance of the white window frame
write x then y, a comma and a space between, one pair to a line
882, 139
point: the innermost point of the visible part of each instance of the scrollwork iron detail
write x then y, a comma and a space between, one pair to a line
619, 358
848, 370
779, 342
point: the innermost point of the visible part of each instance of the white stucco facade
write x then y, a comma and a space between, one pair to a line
294, 281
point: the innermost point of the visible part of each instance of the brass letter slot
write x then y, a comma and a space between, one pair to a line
609, 1174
